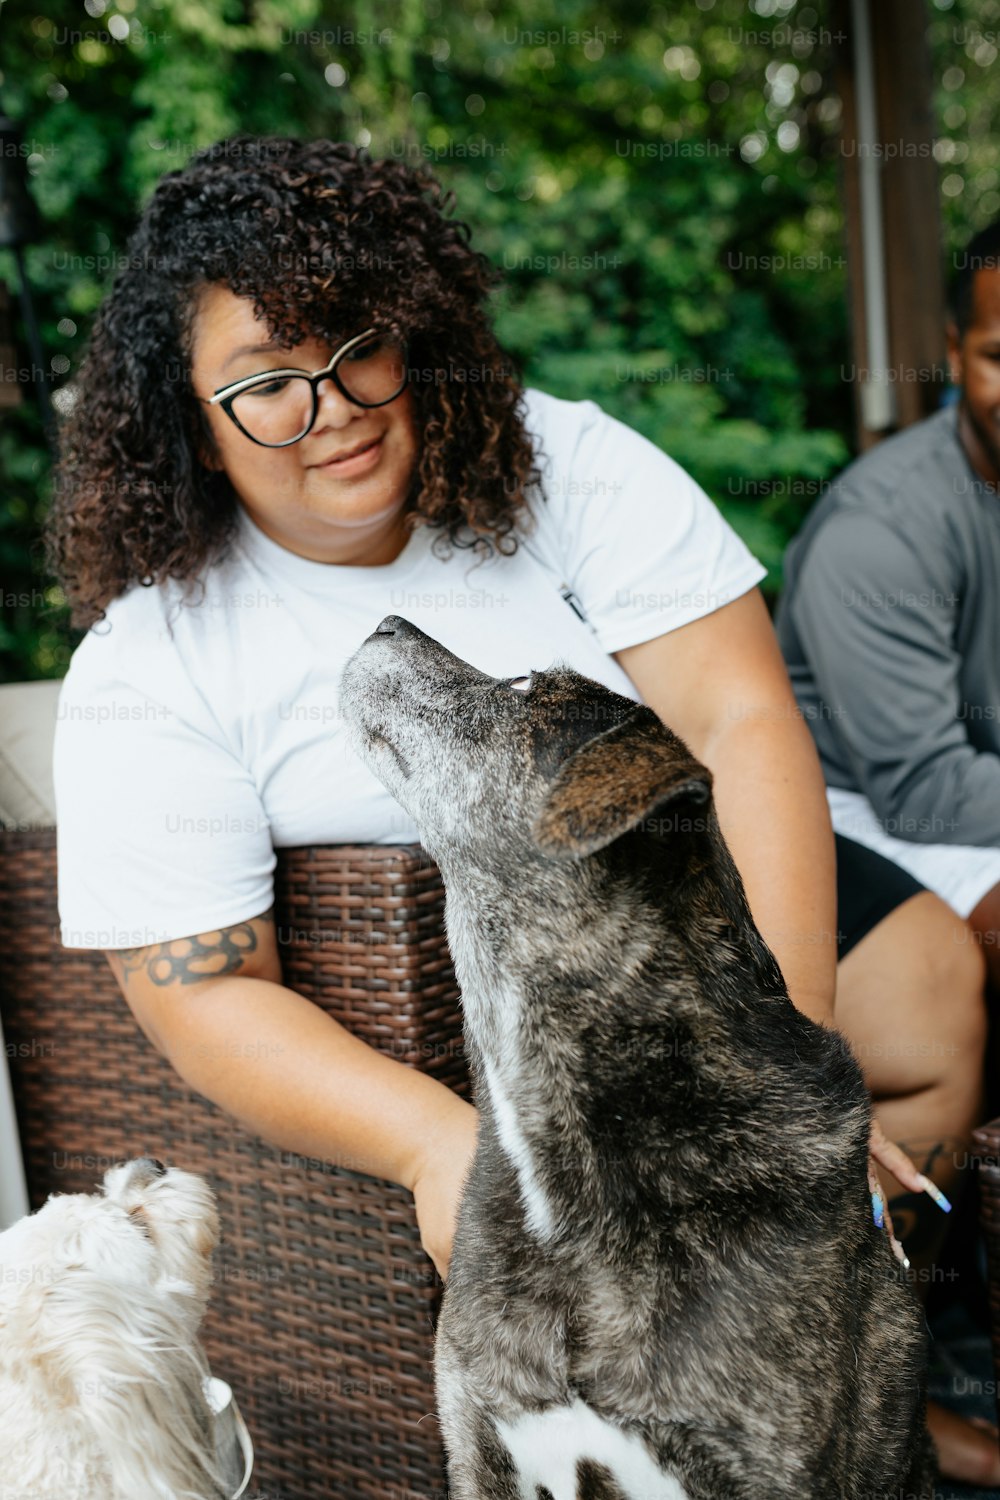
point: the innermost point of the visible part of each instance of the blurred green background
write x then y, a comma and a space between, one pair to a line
658, 183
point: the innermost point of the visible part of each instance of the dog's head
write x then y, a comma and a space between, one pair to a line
101, 1297
548, 765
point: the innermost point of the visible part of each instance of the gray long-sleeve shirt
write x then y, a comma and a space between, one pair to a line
890, 626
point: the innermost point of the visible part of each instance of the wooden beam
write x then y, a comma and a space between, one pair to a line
911, 217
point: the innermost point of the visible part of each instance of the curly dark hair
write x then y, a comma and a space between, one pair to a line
307, 230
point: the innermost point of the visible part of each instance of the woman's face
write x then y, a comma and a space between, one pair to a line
307, 497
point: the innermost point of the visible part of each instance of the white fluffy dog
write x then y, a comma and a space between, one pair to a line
101, 1372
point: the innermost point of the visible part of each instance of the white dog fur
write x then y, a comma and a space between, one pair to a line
101, 1298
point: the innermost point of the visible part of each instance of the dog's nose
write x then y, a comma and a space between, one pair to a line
397, 625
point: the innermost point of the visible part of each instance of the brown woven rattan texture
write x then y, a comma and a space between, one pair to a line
324, 1303
986, 1143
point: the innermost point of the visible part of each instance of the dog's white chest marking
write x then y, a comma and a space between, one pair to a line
537, 1209
547, 1446
493, 1016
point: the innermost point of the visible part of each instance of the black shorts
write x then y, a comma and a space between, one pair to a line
869, 887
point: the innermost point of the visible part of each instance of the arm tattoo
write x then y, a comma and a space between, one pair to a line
192, 959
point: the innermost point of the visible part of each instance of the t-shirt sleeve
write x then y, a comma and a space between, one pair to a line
876, 616
643, 548
160, 830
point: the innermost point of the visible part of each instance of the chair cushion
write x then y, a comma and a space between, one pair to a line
27, 730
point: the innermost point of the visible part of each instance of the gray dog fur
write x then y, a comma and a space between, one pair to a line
665, 1282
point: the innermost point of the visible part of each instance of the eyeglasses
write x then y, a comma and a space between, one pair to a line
279, 407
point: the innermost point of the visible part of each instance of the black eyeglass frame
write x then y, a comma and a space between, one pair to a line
227, 394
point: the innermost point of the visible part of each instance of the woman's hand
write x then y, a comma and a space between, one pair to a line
893, 1159
438, 1183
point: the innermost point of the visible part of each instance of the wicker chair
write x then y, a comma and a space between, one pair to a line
324, 1305
986, 1143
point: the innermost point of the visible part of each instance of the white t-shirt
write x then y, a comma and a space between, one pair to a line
193, 740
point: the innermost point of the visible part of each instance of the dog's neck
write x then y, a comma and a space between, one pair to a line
611, 925
574, 1010
620, 1013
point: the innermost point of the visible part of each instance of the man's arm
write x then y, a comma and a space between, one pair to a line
720, 683
876, 615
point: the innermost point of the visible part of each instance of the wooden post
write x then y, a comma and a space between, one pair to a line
911, 218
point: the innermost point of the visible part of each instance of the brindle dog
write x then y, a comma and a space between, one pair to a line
665, 1283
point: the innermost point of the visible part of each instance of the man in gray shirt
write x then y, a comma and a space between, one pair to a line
890, 626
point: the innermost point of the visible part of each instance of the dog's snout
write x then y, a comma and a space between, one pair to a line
397, 625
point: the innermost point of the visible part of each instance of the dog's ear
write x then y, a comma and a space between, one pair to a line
613, 782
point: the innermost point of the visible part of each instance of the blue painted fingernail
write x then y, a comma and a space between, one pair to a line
878, 1210
933, 1191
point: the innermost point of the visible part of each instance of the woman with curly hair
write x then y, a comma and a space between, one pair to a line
295, 418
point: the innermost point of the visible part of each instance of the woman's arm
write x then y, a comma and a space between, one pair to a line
214, 1005
720, 683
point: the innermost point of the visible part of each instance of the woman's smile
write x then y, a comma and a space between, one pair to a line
339, 494
358, 459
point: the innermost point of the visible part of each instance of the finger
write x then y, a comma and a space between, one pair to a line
878, 1202
933, 1191
899, 1252
882, 1217
895, 1160
889, 1226
897, 1248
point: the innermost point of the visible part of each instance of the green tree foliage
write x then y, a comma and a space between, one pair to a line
659, 184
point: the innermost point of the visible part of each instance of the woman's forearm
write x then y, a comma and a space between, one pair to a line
291, 1074
773, 812
721, 684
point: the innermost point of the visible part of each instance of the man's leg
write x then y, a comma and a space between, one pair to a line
910, 1000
